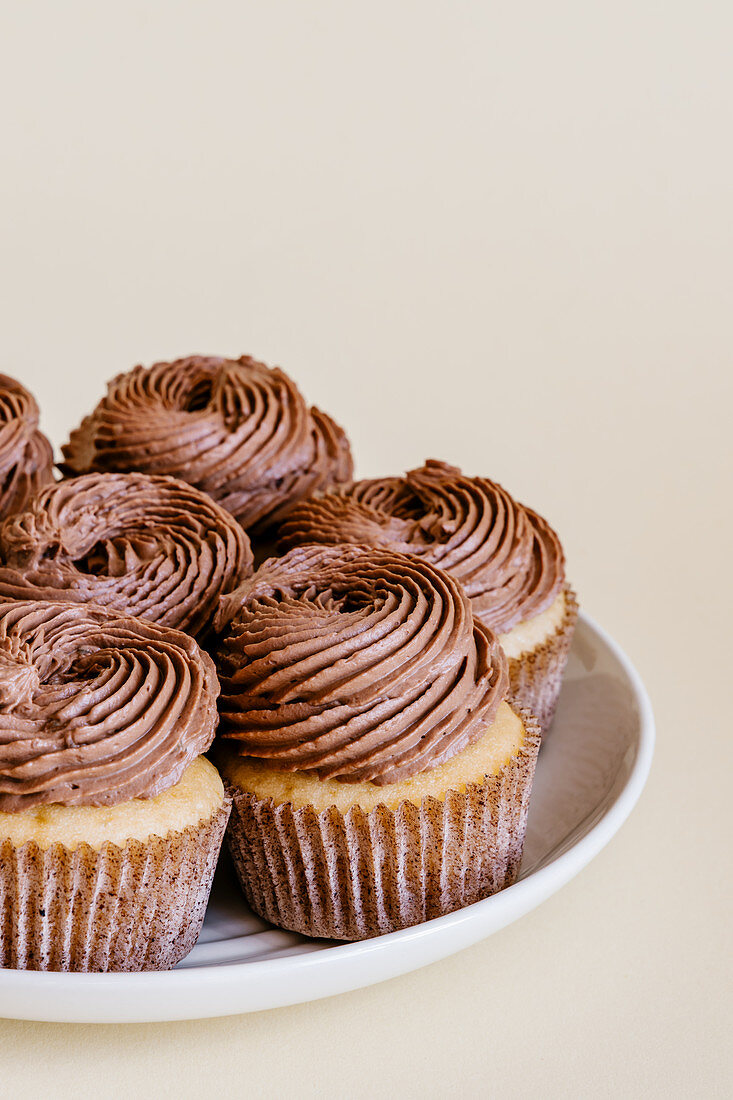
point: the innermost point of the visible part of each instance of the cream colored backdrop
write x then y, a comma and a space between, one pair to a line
494, 233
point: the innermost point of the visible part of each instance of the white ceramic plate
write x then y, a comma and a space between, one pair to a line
590, 773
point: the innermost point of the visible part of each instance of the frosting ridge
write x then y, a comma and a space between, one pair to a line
236, 429
97, 709
507, 557
357, 663
26, 457
144, 545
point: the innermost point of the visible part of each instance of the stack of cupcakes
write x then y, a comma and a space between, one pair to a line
384, 678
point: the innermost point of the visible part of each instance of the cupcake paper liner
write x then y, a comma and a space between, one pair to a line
535, 678
355, 875
139, 907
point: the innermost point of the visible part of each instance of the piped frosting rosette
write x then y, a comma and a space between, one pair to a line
235, 429
508, 559
356, 663
26, 457
379, 777
96, 709
150, 546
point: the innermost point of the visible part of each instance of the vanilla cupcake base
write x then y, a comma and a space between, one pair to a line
349, 861
120, 888
538, 653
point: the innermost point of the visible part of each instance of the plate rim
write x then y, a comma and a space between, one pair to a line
361, 958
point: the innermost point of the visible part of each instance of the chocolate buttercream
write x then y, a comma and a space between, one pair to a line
26, 457
236, 429
140, 544
508, 559
96, 709
355, 663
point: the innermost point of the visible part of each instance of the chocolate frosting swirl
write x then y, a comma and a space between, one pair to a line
96, 709
355, 663
26, 457
236, 429
508, 559
142, 545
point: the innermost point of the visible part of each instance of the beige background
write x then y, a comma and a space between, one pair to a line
494, 233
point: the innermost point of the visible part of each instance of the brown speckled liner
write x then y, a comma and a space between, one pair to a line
535, 678
134, 908
352, 876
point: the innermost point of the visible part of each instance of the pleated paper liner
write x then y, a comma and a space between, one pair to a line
355, 875
139, 907
535, 678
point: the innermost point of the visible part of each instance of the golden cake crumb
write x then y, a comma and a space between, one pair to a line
196, 796
502, 740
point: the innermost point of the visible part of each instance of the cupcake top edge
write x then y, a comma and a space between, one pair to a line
356, 663
507, 557
96, 708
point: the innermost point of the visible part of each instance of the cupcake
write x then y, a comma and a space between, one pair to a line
235, 429
379, 776
26, 457
111, 820
507, 558
139, 544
